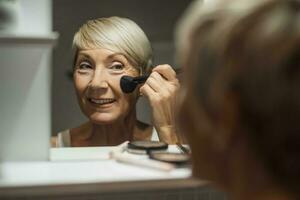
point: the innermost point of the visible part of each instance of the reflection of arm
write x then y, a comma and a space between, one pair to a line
161, 88
168, 135
171, 136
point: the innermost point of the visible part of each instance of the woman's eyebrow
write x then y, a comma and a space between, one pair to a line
117, 55
84, 55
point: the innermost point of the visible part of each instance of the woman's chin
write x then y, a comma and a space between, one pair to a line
102, 119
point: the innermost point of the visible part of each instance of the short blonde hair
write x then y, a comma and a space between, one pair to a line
117, 34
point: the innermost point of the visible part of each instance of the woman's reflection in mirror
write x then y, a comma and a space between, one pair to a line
105, 50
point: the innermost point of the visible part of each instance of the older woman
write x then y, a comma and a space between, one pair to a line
242, 99
107, 49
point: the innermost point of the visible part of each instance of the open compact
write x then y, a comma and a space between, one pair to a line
157, 151
144, 147
175, 158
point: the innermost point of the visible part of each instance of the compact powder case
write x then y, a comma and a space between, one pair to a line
144, 147
175, 158
147, 145
157, 151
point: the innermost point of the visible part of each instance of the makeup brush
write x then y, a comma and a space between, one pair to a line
129, 83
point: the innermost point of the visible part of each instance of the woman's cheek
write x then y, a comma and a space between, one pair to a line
81, 82
115, 82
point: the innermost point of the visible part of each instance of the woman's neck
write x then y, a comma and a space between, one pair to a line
91, 134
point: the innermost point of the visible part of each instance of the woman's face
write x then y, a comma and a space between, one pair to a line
97, 82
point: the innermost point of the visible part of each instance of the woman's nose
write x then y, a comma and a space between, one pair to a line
100, 79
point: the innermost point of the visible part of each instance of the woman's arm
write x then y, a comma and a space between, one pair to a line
161, 88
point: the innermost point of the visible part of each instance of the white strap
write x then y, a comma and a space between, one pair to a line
63, 139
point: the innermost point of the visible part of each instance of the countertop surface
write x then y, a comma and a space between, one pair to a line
82, 166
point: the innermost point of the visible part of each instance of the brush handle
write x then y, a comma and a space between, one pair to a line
140, 79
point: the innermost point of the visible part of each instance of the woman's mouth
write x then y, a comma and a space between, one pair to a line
102, 101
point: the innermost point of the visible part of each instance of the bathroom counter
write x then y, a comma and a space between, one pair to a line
89, 172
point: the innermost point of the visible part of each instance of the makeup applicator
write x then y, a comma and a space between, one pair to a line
129, 83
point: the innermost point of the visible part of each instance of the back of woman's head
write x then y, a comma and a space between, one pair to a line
117, 34
255, 55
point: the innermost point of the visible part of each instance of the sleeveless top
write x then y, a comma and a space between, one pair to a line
64, 138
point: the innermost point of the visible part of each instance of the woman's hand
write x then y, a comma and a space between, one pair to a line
161, 88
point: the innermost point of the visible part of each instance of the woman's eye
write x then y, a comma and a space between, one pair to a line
117, 67
84, 65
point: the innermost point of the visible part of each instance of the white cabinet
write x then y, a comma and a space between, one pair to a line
25, 83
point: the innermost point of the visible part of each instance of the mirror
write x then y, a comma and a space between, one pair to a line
157, 19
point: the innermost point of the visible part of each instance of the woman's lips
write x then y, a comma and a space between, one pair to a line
101, 101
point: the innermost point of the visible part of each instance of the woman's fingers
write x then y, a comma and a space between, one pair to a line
159, 83
156, 82
148, 91
162, 83
166, 71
